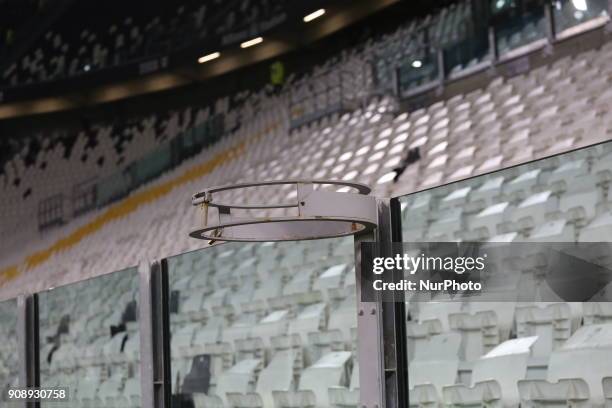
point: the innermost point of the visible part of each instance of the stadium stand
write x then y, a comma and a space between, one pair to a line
273, 324
509, 114
113, 34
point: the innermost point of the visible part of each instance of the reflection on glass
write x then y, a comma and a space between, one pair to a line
519, 30
9, 365
466, 54
473, 352
254, 325
89, 341
500, 6
570, 13
418, 70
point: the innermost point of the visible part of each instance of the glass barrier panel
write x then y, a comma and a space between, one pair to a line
466, 54
520, 30
468, 350
112, 188
89, 341
571, 13
418, 70
260, 325
9, 354
151, 166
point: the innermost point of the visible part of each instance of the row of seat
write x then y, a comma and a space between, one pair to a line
577, 374
555, 200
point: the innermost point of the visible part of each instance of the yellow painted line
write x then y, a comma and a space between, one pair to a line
126, 207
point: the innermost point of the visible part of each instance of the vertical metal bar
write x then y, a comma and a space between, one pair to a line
154, 336
161, 334
381, 329
27, 336
441, 69
395, 231
145, 322
394, 337
550, 22
22, 339
397, 88
493, 45
370, 352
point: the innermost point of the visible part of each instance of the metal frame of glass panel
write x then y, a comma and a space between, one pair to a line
28, 342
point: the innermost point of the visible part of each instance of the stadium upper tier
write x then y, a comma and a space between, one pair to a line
90, 37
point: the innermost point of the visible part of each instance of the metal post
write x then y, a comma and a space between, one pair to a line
394, 313
397, 89
493, 46
441, 69
370, 351
550, 22
154, 336
27, 336
381, 330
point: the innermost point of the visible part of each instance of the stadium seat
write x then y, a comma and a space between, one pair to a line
312, 390
238, 379
276, 376
569, 383
433, 366
552, 324
494, 376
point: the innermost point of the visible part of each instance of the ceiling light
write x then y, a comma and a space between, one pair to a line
251, 43
313, 15
209, 57
580, 5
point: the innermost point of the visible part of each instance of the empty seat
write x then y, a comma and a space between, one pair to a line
276, 376
346, 396
552, 324
480, 331
435, 364
575, 373
597, 312
330, 370
534, 210
487, 222
311, 319
494, 377
238, 379
274, 324
598, 230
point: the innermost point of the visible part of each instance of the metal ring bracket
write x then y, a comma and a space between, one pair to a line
321, 214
